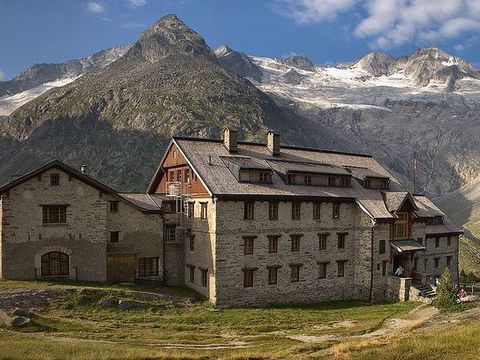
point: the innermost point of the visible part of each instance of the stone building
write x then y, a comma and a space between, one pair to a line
242, 223
57, 222
264, 223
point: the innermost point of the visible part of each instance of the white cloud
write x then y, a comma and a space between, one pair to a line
305, 11
2, 75
389, 23
95, 7
136, 3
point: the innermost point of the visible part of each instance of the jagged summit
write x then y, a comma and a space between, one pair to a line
301, 62
223, 50
376, 63
169, 36
237, 63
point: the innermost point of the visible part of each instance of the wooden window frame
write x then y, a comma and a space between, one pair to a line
341, 240
437, 242
449, 260
296, 210
204, 277
272, 275
273, 210
191, 244
449, 241
55, 179
248, 245
191, 274
295, 272
316, 213
384, 267
401, 226
148, 266
114, 206
322, 269
54, 214
191, 210
273, 243
436, 263
322, 241
248, 210
203, 210
167, 233
295, 240
335, 211
341, 268
382, 246
248, 277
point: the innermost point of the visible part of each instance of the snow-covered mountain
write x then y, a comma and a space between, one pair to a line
40, 78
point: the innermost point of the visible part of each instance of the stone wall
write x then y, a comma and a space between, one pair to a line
25, 238
441, 252
137, 230
203, 255
231, 227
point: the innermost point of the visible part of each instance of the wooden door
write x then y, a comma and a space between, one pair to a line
121, 268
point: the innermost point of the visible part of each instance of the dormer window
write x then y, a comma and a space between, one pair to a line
436, 220
292, 179
255, 176
377, 183
307, 179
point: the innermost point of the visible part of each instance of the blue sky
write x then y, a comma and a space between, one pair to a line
327, 31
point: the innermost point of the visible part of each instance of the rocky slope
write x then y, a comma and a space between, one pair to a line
42, 77
119, 119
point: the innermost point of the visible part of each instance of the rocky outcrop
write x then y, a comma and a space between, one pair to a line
301, 62
238, 63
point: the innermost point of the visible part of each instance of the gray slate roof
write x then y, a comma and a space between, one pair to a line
147, 202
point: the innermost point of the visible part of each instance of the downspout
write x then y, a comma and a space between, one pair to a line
371, 263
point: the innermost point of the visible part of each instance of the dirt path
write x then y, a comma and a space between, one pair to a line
415, 318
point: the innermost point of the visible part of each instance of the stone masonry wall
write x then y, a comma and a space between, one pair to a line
203, 255
25, 238
231, 259
143, 232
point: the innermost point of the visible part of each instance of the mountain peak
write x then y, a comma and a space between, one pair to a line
223, 50
298, 61
169, 36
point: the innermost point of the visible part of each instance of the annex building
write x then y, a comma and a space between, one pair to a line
242, 223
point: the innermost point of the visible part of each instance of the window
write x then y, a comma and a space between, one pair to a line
377, 183
248, 245
169, 233
331, 181
179, 175
55, 264
381, 247
273, 243
341, 240
203, 212
292, 178
295, 211
436, 262
113, 206
148, 266
186, 175
415, 264
296, 242
400, 227
191, 209
273, 211
248, 210
114, 236
204, 273
345, 182
192, 242
295, 272
169, 208
341, 268
449, 260
191, 269
336, 211
316, 211
264, 177
54, 214
54, 179
322, 270
248, 277
425, 264
437, 242
171, 174
272, 274
449, 241
307, 179
322, 241
384, 268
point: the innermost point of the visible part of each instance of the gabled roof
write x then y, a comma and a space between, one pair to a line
395, 200
56, 164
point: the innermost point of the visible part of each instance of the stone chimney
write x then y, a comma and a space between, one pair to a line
83, 169
230, 139
273, 143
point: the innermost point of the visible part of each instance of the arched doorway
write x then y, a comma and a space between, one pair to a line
55, 264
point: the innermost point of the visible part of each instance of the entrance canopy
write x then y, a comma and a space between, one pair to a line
403, 246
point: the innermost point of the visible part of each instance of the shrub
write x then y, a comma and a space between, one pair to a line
447, 294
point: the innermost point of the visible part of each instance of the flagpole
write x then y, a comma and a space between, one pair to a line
414, 172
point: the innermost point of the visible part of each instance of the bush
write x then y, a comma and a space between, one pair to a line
447, 293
